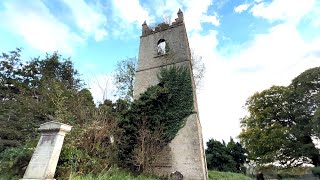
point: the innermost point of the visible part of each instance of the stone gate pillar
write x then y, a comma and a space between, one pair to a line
46, 155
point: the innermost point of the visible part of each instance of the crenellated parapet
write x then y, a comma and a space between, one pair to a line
146, 30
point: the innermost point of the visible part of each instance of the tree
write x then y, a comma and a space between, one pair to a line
265, 132
305, 99
124, 77
282, 122
198, 69
31, 92
237, 152
222, 157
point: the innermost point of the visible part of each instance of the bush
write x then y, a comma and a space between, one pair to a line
14, 161
316, 171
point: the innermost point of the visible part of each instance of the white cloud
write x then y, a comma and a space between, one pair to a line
130, 11
292, 10
195, 13
34, 23
167, 8
88, 18
273, 58
213, 19
241, 8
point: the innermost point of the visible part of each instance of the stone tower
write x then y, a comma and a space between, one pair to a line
167, 45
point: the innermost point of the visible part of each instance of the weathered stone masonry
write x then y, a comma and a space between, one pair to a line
185, 153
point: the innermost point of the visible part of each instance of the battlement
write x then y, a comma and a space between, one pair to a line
146, 30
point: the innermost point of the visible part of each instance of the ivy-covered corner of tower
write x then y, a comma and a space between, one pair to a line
179, 104
161, 111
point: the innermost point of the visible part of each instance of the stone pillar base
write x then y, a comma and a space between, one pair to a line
44, 160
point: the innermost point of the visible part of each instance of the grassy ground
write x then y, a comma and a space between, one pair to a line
120, 175
116, 174
216, 175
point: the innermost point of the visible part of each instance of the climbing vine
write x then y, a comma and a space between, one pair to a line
156, 117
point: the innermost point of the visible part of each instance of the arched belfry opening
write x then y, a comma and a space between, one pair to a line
162, 47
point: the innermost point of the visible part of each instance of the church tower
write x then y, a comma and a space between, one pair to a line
167, 45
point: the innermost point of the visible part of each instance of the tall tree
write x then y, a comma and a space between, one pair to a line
31, 92
225, 157
305, 100
282, 122
238, 154
124, 77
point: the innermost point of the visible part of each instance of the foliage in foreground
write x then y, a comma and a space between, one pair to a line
114, 174
122, 175
36, 91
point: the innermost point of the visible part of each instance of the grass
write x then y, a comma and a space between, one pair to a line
122, 175
116, 174
216, 175
113, 174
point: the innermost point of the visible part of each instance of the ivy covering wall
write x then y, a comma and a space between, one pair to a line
156, 117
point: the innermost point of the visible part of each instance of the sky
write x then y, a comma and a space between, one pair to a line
246, 45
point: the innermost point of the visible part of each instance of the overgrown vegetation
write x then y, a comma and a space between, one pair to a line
155, 118
280, 128
121, 175
122, 133
114, 174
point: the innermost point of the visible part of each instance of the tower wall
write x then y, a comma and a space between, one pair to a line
185, 153
150, 62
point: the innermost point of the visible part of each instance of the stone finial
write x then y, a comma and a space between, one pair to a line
46, 155
180, 15
179, 19
145, 29
144, 23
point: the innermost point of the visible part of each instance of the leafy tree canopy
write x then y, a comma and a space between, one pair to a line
282, 121
225, 157
32, 91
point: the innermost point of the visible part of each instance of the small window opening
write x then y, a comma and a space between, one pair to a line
162, 47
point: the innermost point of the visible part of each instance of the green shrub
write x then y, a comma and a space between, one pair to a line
14, 161
316, 171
